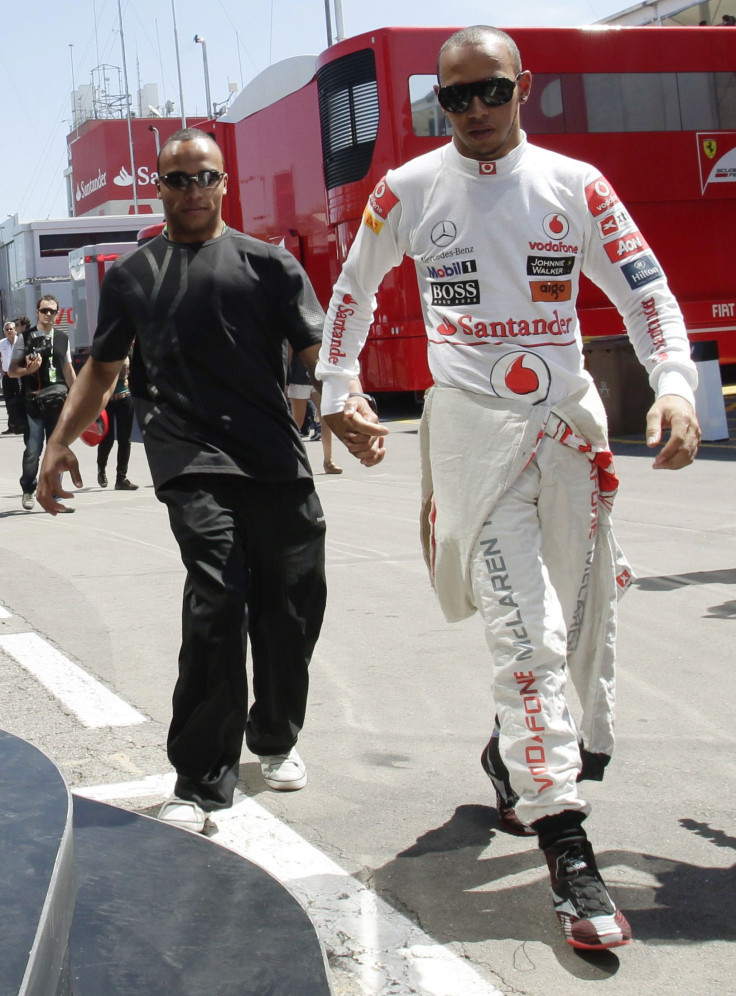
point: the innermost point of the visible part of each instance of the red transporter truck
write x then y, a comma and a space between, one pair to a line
653, 108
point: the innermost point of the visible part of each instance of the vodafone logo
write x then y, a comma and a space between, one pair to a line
382, 199
521, 375
486, 169
601, 197
556, 226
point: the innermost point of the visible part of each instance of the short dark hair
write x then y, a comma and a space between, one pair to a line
47, 297
478, 34
23, 320
186, 135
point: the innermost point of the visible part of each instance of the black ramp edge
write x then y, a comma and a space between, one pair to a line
37, 882
161, 910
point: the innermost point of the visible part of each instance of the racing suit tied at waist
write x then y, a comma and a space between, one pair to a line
459, 490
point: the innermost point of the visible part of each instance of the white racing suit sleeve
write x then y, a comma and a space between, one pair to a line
374, 252
627, 271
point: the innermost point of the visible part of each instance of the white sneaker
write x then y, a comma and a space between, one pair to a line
183, 813
28, 500
284, 772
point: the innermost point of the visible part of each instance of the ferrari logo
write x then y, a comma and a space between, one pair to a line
709, 147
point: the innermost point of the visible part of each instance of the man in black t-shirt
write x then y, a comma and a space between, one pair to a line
42, 358
208, 309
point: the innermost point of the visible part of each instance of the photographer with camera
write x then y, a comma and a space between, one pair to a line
42, 357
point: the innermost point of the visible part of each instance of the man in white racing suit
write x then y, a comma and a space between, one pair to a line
518, 480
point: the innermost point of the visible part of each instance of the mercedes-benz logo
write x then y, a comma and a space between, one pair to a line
443, 233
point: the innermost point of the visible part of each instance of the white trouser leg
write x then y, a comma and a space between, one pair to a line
536, 539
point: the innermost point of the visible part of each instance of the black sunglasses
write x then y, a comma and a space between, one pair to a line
48, 311
206, 178
493, 92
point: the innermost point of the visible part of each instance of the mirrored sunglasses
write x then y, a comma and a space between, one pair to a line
206, 178
493, 92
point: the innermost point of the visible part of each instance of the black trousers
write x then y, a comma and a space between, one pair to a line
120, 415
13, 403
254, 555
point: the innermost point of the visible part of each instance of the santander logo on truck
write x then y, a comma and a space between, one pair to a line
124, 178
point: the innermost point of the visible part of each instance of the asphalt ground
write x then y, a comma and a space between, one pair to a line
397, 807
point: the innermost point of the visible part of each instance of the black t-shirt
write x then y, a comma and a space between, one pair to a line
210, 322
53, 362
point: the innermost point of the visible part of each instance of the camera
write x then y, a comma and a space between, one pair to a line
40, 344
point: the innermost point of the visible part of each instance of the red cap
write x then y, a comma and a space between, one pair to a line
95, 433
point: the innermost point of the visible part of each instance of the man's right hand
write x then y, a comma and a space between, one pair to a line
56, 460
33, 363
359, 429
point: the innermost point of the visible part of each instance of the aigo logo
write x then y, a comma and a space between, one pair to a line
521, 374
556, 226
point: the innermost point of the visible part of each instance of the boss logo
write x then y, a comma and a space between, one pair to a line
455, 292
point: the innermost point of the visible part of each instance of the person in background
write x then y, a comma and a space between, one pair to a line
11, 387
22, 324
300, 391
42, 358
120, 416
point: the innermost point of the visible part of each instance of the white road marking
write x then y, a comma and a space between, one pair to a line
93, 703
152, 786
4, 614
385, 950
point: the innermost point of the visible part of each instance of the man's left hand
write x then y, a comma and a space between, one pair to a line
678, 415
359, 429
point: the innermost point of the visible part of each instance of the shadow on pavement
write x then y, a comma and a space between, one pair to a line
450, 881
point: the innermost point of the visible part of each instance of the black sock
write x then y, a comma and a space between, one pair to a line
564, 827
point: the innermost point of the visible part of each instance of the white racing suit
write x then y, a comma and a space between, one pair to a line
517, 480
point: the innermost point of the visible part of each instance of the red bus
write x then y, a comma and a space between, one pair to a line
653, 108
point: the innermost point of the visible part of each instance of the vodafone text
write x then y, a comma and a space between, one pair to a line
534, 753
536, 758
510, 328
554, 247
